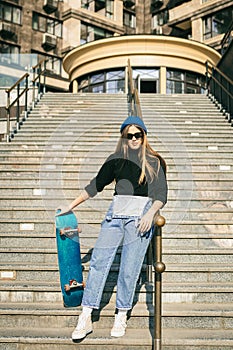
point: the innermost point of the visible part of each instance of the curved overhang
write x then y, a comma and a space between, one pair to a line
143, 51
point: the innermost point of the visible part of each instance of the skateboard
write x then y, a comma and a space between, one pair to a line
69, 258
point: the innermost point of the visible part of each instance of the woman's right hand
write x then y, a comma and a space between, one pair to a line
64, 209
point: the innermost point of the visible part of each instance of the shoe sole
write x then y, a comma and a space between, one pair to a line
88, 332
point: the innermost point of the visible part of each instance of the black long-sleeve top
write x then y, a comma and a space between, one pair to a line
126, 174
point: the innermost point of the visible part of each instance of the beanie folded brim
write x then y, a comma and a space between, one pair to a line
133, 121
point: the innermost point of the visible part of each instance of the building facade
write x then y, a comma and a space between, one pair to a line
56, 29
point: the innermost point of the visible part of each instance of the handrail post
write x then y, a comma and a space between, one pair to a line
213, 81
33, 87
26, 100
159, 267
130, 89
18, 109
207, 77
44, 76
39, 83
8, 123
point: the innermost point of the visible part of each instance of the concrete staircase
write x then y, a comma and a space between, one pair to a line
61, 147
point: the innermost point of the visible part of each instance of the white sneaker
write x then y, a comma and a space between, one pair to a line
119, 326
83, 327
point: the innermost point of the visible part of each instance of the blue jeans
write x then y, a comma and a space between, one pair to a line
115, 232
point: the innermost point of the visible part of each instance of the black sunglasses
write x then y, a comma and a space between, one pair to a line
137, 135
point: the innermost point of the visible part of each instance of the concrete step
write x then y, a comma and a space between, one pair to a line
221, 238
90, 161
38, 188
76, 156
86, 211
176, 255
51, 193
55, 316
211, 172
110, 145
183, 292
53, 339
80, 136
183, 121
102, 203
186, 119
48, 107
207, 273
36, 184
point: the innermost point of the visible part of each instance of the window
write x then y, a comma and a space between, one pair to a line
148, 81
146, 73
99, 5
174, 3
160, 18
115, 81
105, 7
103, 82
10, 13
129, 19
85, 4
109, 9
184, 82
9, 54
54, 65
46, 24
7, 81
217, 23
91, 33
8, 49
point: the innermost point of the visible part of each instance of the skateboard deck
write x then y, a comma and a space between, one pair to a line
69, 258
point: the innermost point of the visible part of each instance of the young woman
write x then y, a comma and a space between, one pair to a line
140, 191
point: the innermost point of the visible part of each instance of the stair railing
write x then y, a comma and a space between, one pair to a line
227, 38
156, 265
24, 79
154, 252
134, 107
38, 87
220, 90
37, 90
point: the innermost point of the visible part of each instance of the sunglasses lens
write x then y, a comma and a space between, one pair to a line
137, 135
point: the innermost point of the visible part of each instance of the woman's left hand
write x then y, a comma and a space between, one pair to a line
146, 222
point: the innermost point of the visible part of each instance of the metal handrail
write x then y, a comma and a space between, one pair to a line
130, 89
226, 38
220, 89
155, 264
134, 107
9, 134
137, 104
154, 252
37, 73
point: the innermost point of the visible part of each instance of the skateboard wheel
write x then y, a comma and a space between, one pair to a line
67, 287
74, 284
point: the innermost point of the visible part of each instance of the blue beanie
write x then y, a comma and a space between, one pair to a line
135, 121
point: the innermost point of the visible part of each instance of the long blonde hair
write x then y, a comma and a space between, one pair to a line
145, 152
